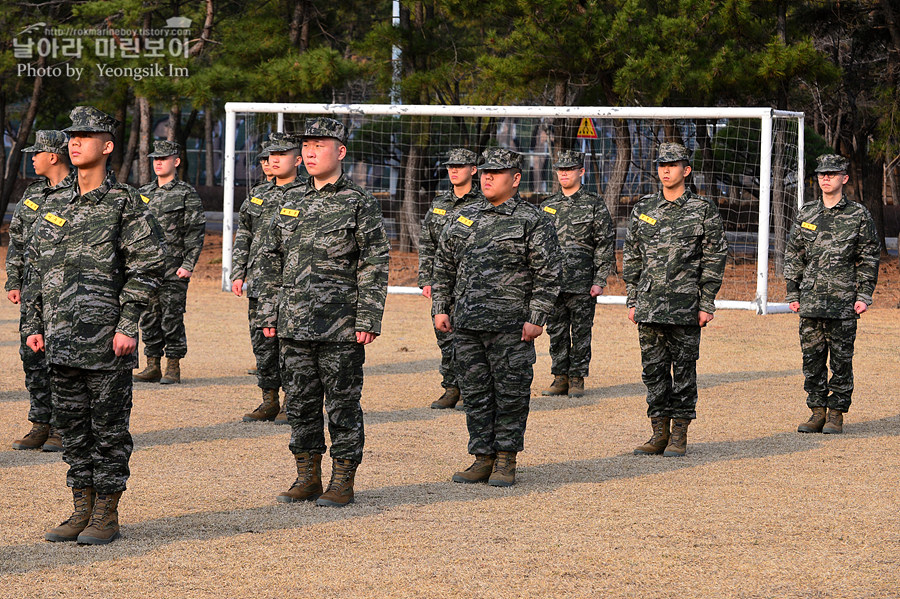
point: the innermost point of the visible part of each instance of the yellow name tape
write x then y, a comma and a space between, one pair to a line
809, 226
31, 204
54, 219
647, 219
145, 198
257, 201
440, 211
289, 212
549, 209
467, 222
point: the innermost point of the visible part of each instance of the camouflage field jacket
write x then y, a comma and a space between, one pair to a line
586, 237
673, 261
179, 211
831, 260
324, 262
95, 259
498, 266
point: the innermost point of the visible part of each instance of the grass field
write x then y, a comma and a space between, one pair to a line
754, 510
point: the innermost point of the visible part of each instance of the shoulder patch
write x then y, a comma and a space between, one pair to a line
31, 204
257, 201
290, 212
809, 226
466, 221
56, 220
647, 219
549, 210
440, 211
145, 199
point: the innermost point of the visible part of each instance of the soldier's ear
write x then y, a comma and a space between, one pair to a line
687, 170
177, 162
108, 147
342, 151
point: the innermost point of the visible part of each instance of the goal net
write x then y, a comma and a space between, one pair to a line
748, 160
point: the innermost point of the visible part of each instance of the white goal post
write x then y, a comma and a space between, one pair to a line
737, 169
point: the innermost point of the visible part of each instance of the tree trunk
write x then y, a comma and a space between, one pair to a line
208, 147
115, 160
612, 193
133, 135
410, 226
183, 134
25, 125
144, 142
299, 30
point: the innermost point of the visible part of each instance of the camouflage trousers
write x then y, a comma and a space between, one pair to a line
447, 367
268, 371
91, 409
669, 355
311, 371
162, 325
821, 338
37, 381
569, 328
495, 373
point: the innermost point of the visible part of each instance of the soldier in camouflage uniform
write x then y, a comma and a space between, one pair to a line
498, 266
673, 264
179, 211
461, 171
587, 239
51, 163
283, 158
96, 257
263, 159
325, 260
831, 268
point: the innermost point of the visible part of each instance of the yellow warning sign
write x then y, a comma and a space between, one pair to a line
586, 129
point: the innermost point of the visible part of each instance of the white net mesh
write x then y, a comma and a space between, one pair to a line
398, 158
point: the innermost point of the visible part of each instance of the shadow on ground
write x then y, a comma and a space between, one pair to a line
145, 537
254, 430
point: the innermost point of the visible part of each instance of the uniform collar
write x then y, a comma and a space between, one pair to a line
507, 207
338, 185
679, 201
98, 194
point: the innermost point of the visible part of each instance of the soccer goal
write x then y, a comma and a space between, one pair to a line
748, 160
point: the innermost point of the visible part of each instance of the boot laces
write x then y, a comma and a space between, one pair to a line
340, 476
101, 511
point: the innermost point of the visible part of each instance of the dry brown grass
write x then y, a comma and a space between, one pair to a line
754, 510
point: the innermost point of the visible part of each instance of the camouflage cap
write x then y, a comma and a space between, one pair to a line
461, 156
325, 127
672, 152
569, 159
164, 149
831, 163
49, 141
264, 151
498, 159
87, 119
282, 142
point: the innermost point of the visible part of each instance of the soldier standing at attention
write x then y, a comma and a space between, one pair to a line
179, 211
96, 257
263, 159
498, 266
283, 159
831, 268
51, 163
325, 257
587, 240
673, 264
461, 172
